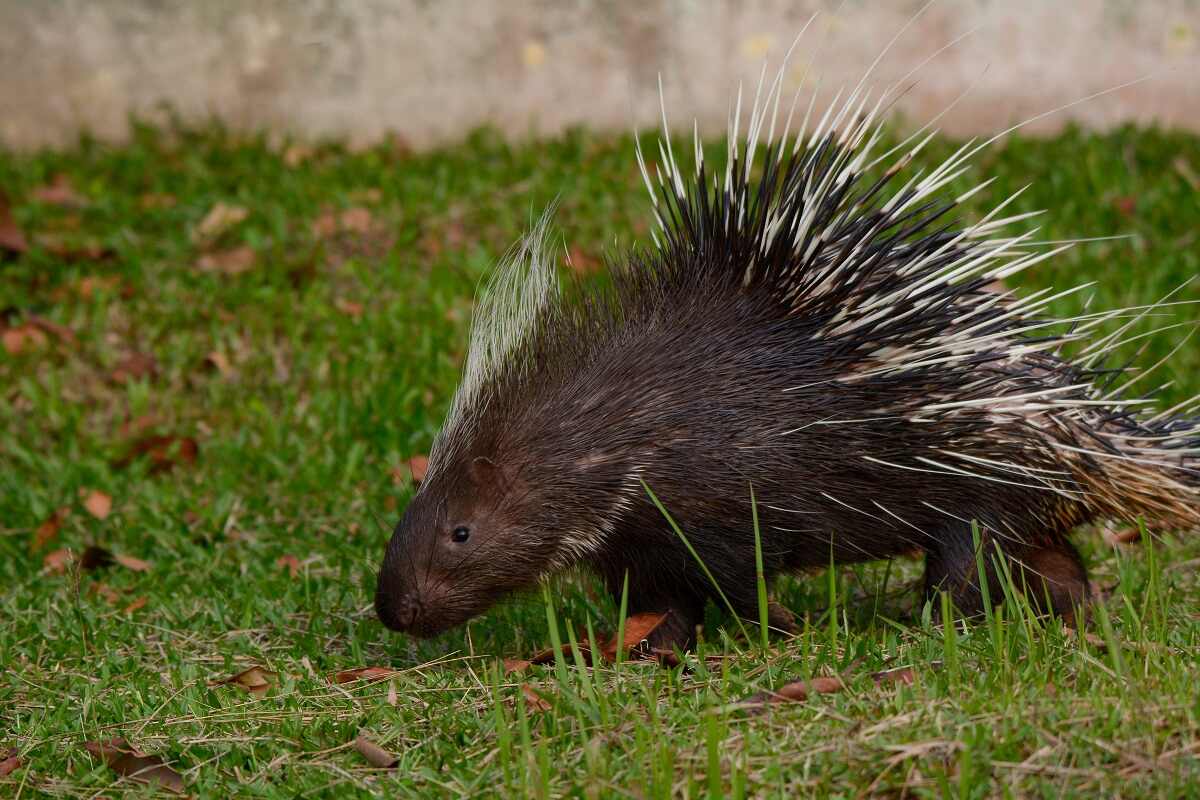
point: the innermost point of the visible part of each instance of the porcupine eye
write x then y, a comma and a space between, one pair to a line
460, 534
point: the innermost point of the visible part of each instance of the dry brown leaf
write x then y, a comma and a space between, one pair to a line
581, 263
348, 307
297, 154
138, 425
290, 563
72, 248
220, 218
110, 595
375, 755
152, 200
23, 339
228, 262
163, 452
57, 561
417, 466
546, 656
136, 605
97, 503
89, 285
351, 220
516, 664
61, 332
48, 530
364, 674
131, 563
534, 702
129, 762
637, 629
372, 195
1125, 205
59, 192
12, 239
356, 220
10, 762
135, 366
797, 691
256, 680
904, 675
220, 362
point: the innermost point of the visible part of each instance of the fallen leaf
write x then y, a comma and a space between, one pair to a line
228, 262
49, 529
89, 285
353, 220
516, 664
356, 220
375, 755
797, 691
1125, 205
220, 362
131, 563
57, 561
904, 675
97, 503
534, 702
637, 629
163, 452
348, 307
94, 557
412, 470
371, 195
1184, 168
364, 674
581, 262
220, 218
135, 366
129, 762
22, 339
138, 425
110, 595
547, 656
72, 248
152, 200
12, 239
135, 605
59, 192
256, 680
11, 762
290, 563
297, 154
51, 328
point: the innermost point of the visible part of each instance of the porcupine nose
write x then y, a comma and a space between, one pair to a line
398, 613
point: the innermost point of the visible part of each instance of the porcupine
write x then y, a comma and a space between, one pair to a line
819, 328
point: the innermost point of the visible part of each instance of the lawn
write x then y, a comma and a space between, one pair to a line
223, 356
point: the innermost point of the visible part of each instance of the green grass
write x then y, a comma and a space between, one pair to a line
298, 439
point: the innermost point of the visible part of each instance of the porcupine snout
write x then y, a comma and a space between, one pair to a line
398, 612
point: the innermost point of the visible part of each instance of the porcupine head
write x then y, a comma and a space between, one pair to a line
497, 509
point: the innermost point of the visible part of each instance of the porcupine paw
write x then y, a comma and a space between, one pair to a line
676, 632
781, 619
1055, 581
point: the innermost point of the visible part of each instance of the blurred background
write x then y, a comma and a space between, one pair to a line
428, 71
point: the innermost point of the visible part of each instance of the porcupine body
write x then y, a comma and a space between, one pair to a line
823, 333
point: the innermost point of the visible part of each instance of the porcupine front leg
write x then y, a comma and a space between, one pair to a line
1049, 572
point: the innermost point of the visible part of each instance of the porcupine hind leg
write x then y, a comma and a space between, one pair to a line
1049, 572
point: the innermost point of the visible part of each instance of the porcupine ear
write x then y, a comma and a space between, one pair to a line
487, 476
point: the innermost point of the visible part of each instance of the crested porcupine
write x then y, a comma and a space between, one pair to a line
816, 326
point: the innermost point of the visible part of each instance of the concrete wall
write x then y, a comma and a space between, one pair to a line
430, 70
